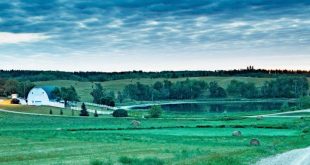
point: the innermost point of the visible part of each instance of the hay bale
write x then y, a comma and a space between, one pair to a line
236, 133
254, 142
135, 123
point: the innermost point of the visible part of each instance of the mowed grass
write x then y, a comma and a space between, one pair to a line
28, 139
84, 88
45, 110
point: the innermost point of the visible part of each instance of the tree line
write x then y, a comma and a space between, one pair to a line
282, 87
24, 75
8, 87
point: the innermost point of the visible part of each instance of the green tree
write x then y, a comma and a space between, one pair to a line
24, 88
216, 91
11, 87
2, 89
57, 94
84, 111
97, 93
155, 111
69, 94
120, 97
101, 96
96, 114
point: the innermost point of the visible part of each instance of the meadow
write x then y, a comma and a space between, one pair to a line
29, 139
173, 138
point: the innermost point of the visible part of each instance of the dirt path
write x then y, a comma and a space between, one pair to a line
294, 157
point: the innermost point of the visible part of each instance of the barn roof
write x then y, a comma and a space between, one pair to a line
49, 91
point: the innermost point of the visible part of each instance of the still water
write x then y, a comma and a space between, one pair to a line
233, 107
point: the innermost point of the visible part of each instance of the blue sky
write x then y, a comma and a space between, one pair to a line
118, 35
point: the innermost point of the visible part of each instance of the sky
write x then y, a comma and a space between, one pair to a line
154, 35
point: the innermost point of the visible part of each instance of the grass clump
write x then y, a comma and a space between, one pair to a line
100, 162
96, 162
306, 130
137, 161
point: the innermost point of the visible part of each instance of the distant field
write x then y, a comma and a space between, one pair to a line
28, 139
84, 88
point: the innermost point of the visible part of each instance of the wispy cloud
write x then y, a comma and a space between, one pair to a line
16, 38
114, 28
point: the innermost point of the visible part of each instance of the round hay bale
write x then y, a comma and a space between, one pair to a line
236, 133
254, 142
259, 118
135, 123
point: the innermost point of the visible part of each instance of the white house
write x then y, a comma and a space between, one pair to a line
43, 95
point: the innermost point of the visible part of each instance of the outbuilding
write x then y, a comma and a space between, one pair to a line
43, 95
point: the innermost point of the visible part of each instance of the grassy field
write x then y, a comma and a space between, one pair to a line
28, 139
172, 139
84, 88
45, 110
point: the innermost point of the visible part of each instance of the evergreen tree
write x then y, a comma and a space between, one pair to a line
51, 112
96, 114
84, 111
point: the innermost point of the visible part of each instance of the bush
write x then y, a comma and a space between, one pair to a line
15, 101
136, 161
152, 161
304, 102
96, 162
306, 130
155, 111
285, 107
126, 160
120, 113
84, 111
96, 114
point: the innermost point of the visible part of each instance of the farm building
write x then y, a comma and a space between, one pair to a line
43, 95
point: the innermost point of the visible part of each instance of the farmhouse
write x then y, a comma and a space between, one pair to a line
43, 95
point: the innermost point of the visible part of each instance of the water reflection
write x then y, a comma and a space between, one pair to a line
221, 107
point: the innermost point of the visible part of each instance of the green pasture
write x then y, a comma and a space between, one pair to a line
29, 139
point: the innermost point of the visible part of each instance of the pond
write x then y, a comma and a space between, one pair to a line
220, 108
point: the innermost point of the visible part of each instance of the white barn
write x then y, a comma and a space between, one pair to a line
43, 95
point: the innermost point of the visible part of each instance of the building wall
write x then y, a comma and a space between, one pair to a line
37, 96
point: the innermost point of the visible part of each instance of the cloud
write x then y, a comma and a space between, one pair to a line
16, 38
175, 26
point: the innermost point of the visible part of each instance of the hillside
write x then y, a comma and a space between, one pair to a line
84, 88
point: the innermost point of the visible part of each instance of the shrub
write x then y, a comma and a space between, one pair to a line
136, 161
96, 162
285, 107
51, 111
61, 112
84, 111
127, 160
96, 114
306, 130
120, 113
15, 101
152, 161
155, 111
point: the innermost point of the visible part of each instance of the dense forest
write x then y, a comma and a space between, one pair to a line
106, 76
